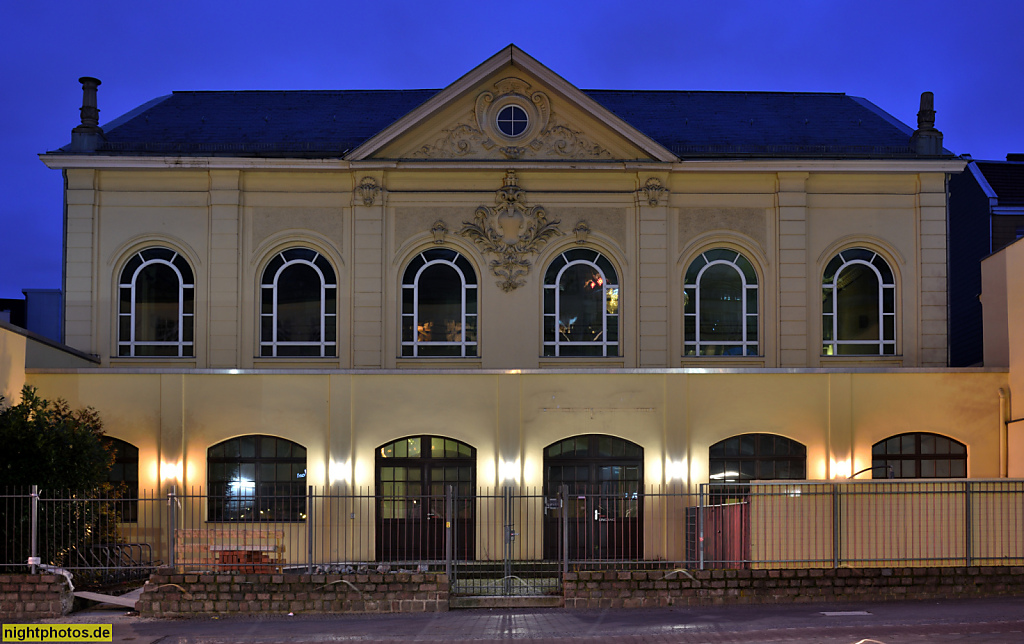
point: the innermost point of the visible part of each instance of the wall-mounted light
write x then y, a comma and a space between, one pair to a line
171, 471
840, 469
508, 471
675, 470
339, 472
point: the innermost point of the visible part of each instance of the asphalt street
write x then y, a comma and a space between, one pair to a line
976, 621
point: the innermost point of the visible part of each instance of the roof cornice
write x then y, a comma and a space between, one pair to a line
97, 162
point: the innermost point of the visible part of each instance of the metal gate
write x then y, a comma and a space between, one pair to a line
510, 545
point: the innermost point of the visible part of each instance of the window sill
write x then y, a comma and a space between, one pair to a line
295, 363
861, 361
439, 363
149, 361
714, 362
575, 362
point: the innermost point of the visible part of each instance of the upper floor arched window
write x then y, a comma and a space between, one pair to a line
298, 305
581, 305
858, 294
439, 305
155, 315
720, 305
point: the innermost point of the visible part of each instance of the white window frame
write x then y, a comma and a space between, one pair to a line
748, 290
327, 349
185, 349
411, 349
831, 347
609, 348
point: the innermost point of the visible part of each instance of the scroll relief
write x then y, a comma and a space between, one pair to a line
477, 135
511, 230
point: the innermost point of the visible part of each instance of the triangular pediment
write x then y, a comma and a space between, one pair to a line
511, 107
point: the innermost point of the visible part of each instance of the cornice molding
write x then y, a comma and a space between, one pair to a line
909, 166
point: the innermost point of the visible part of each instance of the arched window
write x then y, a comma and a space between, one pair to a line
439, 305
124, 476
919, 455
413, 475
756, 457
156, 305
858, 308
720, 305
298, 305
256, 478
581, 305
604, 477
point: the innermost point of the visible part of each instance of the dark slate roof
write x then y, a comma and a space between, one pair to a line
1006, 179
760, 123
328, 124
313, 124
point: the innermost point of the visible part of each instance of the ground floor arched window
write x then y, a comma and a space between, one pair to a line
124, 477
256, 478
919, 455
604, 477
413, 475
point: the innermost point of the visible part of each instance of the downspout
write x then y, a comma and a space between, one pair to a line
1004, 433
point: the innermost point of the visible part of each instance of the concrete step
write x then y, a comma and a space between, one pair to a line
502, 601
128, 599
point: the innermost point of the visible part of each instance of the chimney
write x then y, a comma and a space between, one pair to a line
926, 141
88, 136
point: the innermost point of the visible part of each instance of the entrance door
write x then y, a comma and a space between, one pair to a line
603, 476
412, 477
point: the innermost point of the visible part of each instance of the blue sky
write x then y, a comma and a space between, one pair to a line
970, 54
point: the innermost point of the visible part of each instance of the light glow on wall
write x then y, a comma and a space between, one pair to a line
487, 471
531, 471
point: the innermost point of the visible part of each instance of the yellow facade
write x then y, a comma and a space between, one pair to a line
343, 418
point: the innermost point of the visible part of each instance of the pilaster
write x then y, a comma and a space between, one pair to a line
795, 339
80, 232
932, 243
368, 286
652, 255
224, 297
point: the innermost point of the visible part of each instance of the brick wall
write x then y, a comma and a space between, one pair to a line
169, 595
706, 587
34, 596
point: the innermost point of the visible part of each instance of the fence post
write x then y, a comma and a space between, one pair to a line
34, 551
309, 531
449, 547
171, 523
968, 524
835, 525
701, 488
564, 502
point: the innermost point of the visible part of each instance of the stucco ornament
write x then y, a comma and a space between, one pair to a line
511, 230
582, 231
477, 135
368, 190
439, 230
652, 191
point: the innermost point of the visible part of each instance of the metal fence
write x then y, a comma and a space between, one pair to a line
518, 540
